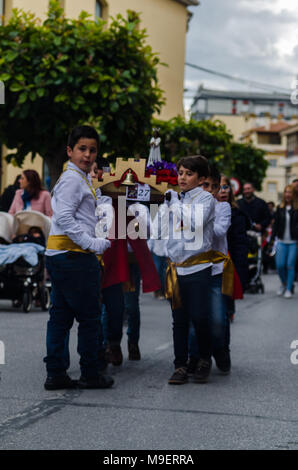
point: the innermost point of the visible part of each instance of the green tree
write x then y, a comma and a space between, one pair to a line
246, 163
211, 139
62, 72
181, 137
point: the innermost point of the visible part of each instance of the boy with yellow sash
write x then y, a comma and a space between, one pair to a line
188, 282
220, 325
71, 260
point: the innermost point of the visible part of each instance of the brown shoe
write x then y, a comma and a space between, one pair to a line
115, 354
133, 352
203, 371
179, 377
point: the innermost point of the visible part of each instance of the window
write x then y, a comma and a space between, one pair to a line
292, 144
98, 9
269, 139
273, 163
272, 187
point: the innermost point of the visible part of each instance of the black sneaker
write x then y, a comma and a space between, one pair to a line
179, 377
134, 352
60, 382
223, 360
102, 381
203, 371
192, 365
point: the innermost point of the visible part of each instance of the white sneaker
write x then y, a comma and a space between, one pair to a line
281, 290
288, 294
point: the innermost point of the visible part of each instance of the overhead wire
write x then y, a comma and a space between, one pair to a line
267, 87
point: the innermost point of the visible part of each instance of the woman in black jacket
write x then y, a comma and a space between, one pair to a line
285, 228
236, 237
9, 194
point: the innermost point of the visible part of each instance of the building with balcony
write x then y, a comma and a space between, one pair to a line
242, 110
291, 160
270, 138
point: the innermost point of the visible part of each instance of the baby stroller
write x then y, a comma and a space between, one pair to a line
22, 246
255, 284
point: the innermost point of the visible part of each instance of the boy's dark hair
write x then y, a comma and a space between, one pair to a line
196, 163
80, 132
214, 174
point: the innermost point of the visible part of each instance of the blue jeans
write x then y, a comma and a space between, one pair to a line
285, 260
132, 306
113, 312
195, 294
75, 294
219, 322
104, 324
161, 267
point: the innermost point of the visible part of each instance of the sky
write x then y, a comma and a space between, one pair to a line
251, 39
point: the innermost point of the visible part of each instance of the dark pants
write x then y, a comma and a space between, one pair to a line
219, 321
116, 304
195, 291
161, 267
113, 300
75, 294
132, 305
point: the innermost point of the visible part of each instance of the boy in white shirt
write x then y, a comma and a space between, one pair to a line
74, 268
189, 271
219, 318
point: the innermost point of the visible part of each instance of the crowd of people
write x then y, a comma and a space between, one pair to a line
97, 280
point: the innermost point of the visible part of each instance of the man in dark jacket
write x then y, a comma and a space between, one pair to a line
255, 208
8, 195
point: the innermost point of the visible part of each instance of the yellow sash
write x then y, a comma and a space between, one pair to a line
172, 285
64, 243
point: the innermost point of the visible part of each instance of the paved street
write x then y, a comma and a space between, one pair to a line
256, 407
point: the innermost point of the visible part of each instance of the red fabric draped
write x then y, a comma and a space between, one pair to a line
117, 266
116, 261
238, 291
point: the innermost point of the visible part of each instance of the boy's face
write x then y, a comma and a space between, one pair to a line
210, 185
188, 179
83, 154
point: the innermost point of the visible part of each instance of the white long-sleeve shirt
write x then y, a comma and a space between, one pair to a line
221, 225
178, 250
74, 208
